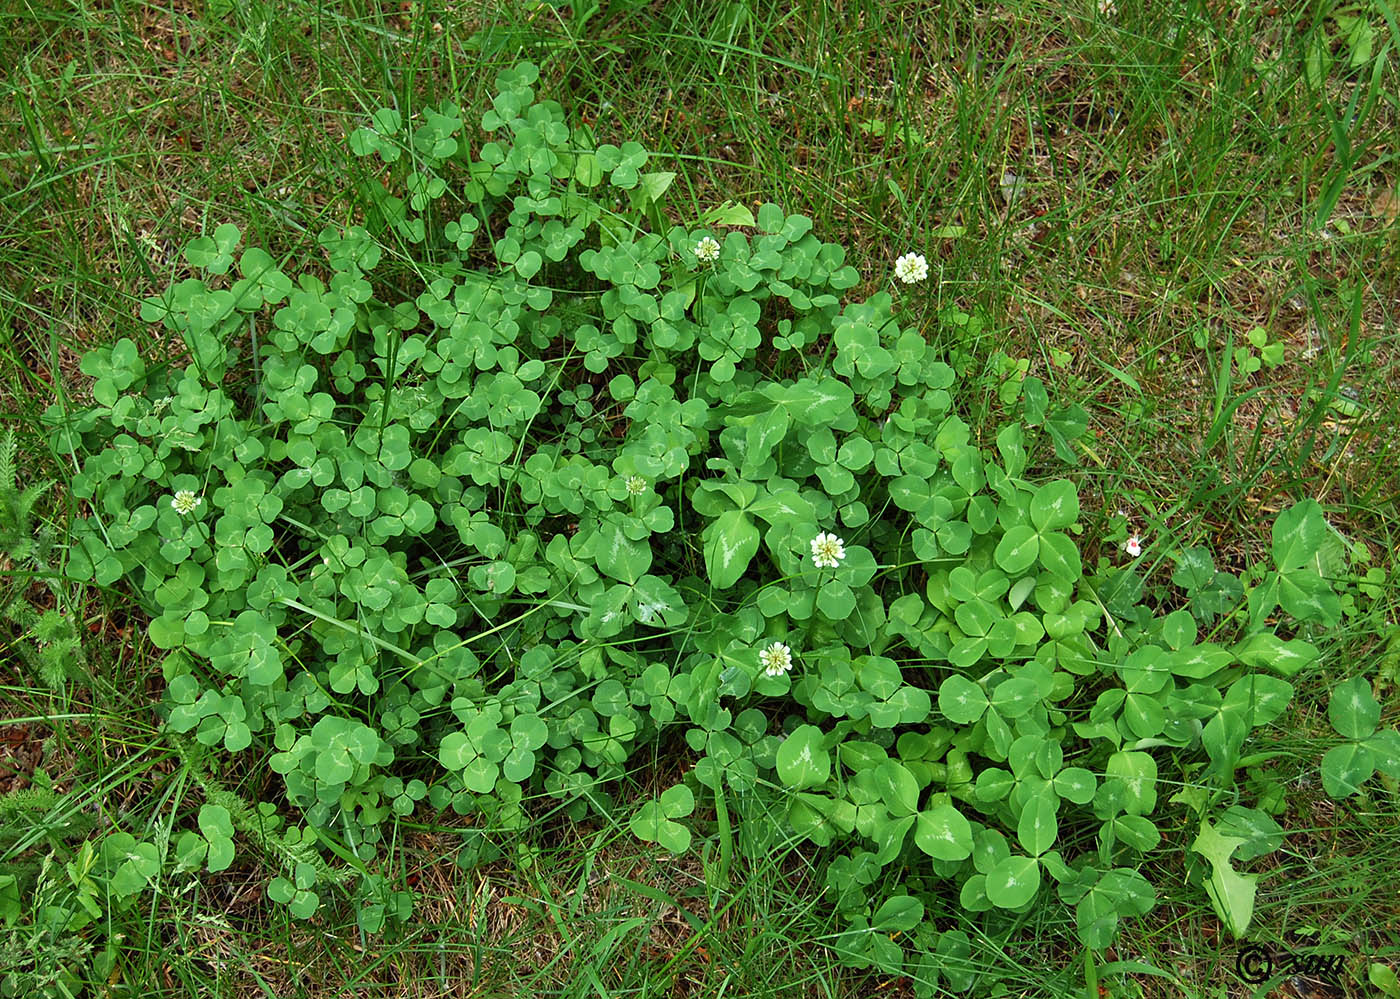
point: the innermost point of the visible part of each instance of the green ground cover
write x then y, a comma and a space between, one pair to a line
1160, 239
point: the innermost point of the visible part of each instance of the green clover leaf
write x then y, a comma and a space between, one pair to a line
655, 821
803, 762
214, 253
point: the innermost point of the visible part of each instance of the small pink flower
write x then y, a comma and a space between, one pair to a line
1133, 546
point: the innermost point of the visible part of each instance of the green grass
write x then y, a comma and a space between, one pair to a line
1181, 181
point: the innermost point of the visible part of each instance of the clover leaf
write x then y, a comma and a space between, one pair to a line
655, 821
378, 136
214, 253
296, 893
944, 833
216, 825
1117, 893
729, 544
802, 760
1013, 882
130, 864
1355, 714
115, 369
960, 700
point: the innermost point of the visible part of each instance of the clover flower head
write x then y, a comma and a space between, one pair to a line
184, 501
707, 250
827, 551
911, 267
1133, 546
1107, 8
776, 659
636, 485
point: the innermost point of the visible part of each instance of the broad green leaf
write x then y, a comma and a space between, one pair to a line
1013, 882
989, 848
214, 253
1138, 772
1037, 827
1075, 784
897, 788
1054, 505
190, 851
1117, 893
1284, 657
770, 218
1137, 831
976, 617
812, 403
1230, 892
899, 914
1179, 629
1345, 768
132, 876
1385, 746
655, 602
1383, 978
1309, 597
730, 542
961, 701
677, 802
1298, 534
1018, 549
528, 264
730, 213
1262, 834
764, 434
1060, 556
1144, 714
1353, 709
836, 599
654, 185
785, 506
1014, 697
1199, 661
1258, 698
802, 761
966, 652
943, 833
994, 784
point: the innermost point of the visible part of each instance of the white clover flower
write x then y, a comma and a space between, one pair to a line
707, 250
827, 551
776, 659
636, 485
911, 267
1107, 8
1133, 546
185, 502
